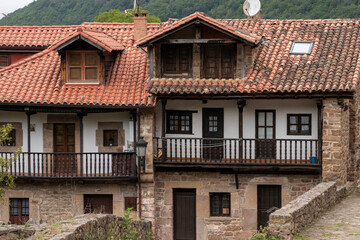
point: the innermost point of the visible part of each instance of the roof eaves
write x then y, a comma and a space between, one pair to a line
183, 23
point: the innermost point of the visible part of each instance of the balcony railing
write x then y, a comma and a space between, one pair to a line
237, 151
72, 165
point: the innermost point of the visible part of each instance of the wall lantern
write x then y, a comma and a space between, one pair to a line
141, 151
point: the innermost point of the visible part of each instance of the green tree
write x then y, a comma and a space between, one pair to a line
114, 15
6, 180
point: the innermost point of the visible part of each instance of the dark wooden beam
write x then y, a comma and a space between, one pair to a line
242, 168
232, 96
198, 41
151, 56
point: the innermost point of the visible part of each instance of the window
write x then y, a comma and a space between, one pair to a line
301, 48
110, 138
179, 122
19, 210
131, 202
177, 60
4, 61
12, 141
82, 66
218, 61
220, 204
299, 124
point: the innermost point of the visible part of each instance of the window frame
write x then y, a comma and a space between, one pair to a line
219, 60
221, 204
12, 142
21, 219
298, 53
82, 66
299, 124
116, 137
177, 73
180, 114
8, 60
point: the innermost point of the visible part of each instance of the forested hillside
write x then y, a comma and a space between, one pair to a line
55, 12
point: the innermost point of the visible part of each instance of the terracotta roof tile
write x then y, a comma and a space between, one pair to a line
37, 79
333, 65
99, 38
240, 32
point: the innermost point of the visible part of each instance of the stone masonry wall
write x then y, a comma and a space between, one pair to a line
292, 218
336, 132
243, 220
354, 108
147, 130
89, 226
55, 201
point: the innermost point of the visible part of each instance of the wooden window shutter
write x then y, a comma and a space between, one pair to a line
227, 63
184, 57
211, 62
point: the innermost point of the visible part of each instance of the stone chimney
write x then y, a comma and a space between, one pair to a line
140, 25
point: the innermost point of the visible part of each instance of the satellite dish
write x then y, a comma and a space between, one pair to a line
251, 7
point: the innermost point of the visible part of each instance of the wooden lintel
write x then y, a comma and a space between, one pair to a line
186, 41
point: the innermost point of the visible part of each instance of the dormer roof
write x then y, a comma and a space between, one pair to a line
99, 40
199, 17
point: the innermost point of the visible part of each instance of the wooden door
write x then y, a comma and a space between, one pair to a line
265, 144
184, 214
64, 142
98, 203
269, 200
213, 127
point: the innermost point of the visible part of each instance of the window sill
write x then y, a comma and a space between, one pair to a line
215, 218
82, 83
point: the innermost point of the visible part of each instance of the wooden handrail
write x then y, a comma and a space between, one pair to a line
237, 151
72, 165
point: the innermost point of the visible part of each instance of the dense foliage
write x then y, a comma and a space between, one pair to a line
6, 180
115, 15
55, 12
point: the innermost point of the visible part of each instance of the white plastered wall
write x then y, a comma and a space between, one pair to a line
89, 122
231, 116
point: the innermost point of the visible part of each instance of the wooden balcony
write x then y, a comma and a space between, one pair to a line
81, 166
240, 154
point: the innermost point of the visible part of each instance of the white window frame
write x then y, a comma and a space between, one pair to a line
301, 53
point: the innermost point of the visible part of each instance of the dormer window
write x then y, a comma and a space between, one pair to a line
4, 61
82, 67
177, 60
301, 48
218, 61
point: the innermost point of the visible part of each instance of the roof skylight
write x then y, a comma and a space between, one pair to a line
301, 48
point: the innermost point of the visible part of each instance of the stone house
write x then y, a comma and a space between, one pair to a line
241, 116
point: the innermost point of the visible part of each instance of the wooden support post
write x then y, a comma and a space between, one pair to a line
241, 104
163, 129
151, 56
320, 130
81, 118
242, 61
28, 114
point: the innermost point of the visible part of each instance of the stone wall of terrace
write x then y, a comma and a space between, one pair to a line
292, 218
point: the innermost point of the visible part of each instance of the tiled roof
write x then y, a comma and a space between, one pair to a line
99, 38
333, 65
37, 79
44, 36
240, 32
37, 36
